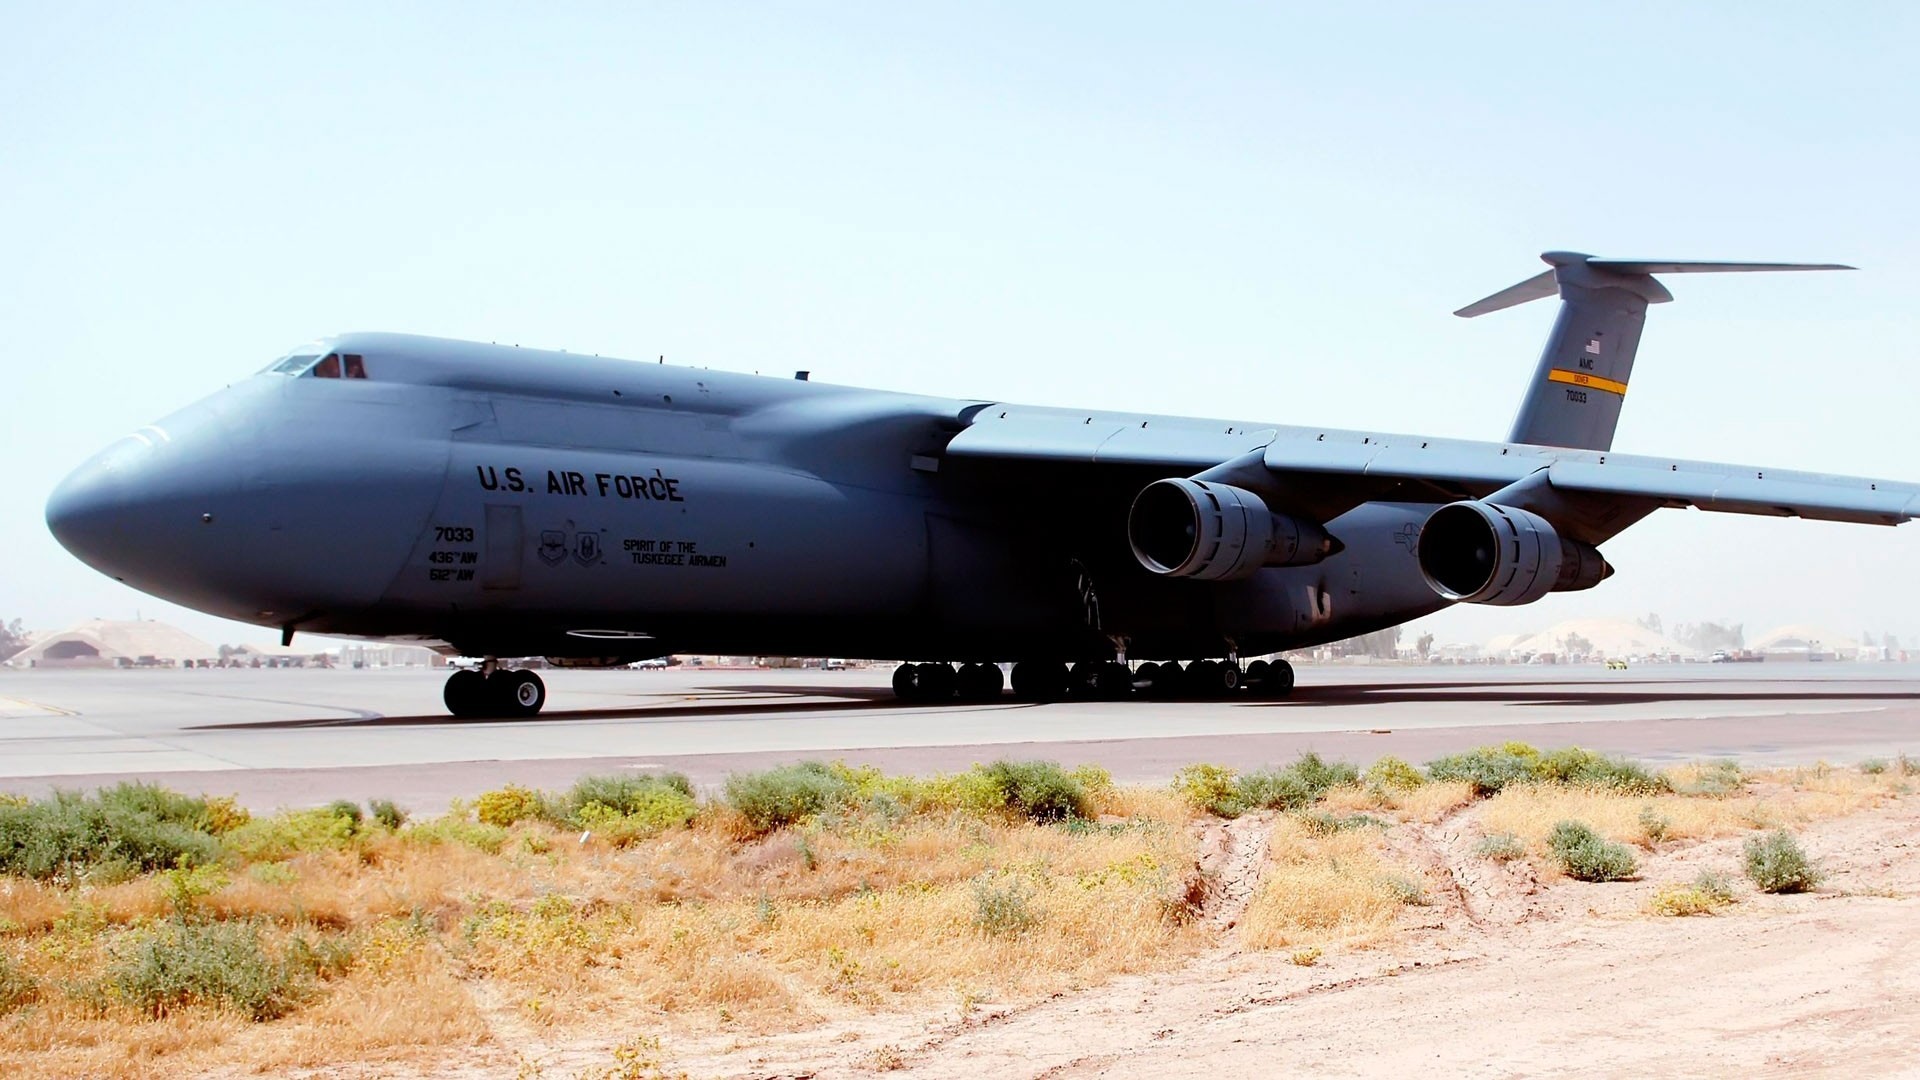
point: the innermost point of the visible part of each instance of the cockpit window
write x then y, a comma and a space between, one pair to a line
330, 365
293, 364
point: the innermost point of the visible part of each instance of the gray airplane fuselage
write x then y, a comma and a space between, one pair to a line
502, 501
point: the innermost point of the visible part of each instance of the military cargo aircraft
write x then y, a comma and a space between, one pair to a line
502, 502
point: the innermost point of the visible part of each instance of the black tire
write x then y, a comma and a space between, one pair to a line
1257, 674
1113, 682
906, 682
1168, 680
522, 693
1083, 679
1279, 680
979, 682
937, 682
1039, 680
465, 694
1199, 680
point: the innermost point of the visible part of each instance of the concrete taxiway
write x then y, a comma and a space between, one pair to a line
306, 736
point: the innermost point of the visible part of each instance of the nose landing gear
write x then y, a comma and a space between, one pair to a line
494, 692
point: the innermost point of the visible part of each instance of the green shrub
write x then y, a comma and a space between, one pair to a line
1715, 886
1585, 856
1392, 774
1037, 790
1295, 786
387, 814
509, 806
1874, 766
624, 792
453, 829
1487, 769
1654, 827
1500, 847
785, 794
1586, 768
1717, 780
1093, 780
1776, 864
180, 964
1406, 890
1001, 910
125, 829
1321, 776
1270, 789
1212, 788
17, 988
347, 810
1321, 823
1708, 893
649, 815
278, 836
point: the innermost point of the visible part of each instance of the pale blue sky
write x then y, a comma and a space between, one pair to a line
1260, 211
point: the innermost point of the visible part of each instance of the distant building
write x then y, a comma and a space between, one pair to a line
105, 643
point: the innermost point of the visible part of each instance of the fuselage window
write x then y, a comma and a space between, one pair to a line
356, 367
328, 368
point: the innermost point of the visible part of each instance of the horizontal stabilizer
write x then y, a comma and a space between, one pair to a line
1566, 263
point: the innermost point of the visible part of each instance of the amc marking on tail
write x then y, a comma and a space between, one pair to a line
1575, 378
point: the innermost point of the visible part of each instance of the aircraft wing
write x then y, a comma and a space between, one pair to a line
1325, 472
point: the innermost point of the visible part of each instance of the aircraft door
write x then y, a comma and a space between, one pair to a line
500, 566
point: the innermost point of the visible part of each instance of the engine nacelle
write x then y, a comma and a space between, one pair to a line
1484, 553
1217, 532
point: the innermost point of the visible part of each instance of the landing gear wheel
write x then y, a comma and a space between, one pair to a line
980, 682
938, 681
1039, 680
521, 693
906, 682
1083, 680
1213, 679
465, 694
1113, 681
1279, 680
1166, 680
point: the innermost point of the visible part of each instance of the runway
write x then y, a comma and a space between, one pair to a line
298, 737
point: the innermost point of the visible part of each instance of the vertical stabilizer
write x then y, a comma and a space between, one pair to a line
1581, 381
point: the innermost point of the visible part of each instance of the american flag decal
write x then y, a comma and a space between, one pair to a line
1593, 346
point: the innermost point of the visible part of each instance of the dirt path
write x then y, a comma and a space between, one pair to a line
1503, 975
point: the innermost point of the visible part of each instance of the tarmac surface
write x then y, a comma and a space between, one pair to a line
302, 737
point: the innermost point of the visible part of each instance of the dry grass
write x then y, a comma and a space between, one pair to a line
1324, 889
449, 934
856, 909
1427, 803
1766, 800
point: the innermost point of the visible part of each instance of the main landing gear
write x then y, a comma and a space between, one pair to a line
1095, 680
494, 692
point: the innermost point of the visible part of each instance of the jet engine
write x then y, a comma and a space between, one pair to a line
1484, 553
1217, 532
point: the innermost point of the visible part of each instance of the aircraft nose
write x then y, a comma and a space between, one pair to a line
146, 509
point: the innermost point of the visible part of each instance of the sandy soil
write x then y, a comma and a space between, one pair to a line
1504, 974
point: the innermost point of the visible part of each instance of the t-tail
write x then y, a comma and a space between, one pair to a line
1574, 399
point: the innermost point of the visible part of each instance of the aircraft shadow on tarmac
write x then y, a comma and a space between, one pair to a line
739, 704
